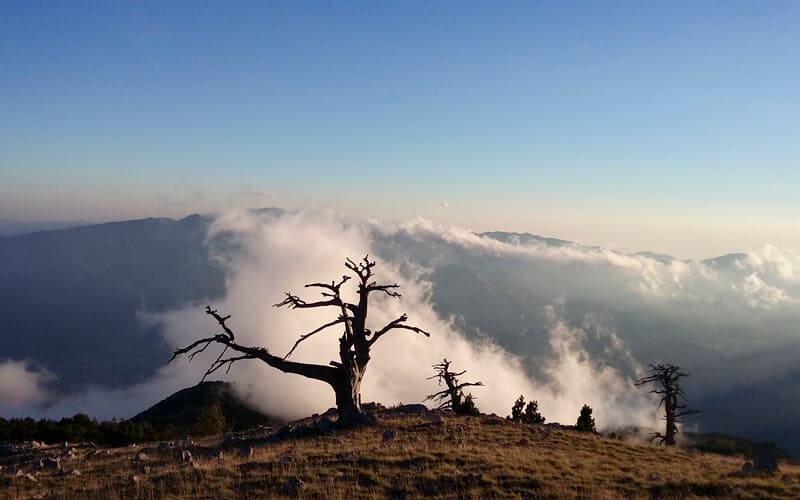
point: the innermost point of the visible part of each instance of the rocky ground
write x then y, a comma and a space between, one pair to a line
409, 452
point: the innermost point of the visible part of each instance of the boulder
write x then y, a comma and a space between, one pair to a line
765, 462
389, 434
412, 408
50, 463
294, 485
324, 425
8, 450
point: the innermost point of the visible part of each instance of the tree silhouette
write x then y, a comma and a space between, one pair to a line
355, 344
526, 414
666, 378
452, 396
585, 421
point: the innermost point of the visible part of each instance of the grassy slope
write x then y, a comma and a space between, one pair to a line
431, 455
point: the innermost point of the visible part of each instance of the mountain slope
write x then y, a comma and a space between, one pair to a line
404, 456
185, 407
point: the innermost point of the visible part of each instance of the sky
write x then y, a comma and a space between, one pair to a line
671, 127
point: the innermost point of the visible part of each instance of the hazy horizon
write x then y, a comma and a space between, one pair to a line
668, 128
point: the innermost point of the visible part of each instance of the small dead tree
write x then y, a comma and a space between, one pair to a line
452, 396
666, 379
355, 343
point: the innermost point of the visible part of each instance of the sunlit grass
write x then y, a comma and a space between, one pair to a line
454, 457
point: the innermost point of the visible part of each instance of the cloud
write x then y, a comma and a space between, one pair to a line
285, 253
22, 386
444, 204
255, 194
561, 323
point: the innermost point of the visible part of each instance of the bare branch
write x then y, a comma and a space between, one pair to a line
387, 289
295, 302
221, 320
397, 324
341, 319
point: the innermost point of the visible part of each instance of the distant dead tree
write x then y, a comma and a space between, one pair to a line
452, 396
666, 378
344, 375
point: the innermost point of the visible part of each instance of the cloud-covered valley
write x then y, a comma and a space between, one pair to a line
559, 322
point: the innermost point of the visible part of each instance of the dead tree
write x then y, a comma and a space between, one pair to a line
355, 343
666, 379
452, 396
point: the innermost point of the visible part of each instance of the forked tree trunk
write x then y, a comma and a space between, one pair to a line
347, 388
672, 426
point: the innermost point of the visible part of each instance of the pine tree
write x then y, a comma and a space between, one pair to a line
585, 420
532, 415
517, 410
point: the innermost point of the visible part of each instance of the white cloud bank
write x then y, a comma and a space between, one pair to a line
22, 386
267, 255
284, 253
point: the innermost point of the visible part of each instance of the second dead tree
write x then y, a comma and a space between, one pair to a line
666, 379
452, 396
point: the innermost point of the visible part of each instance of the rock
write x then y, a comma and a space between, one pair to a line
247, 452
389, 434
324, 425
30, 477
765, 462
135, 480
142, 457
19, 473
372, 407
146, 469
74, 472
8, 450
330, 412
51, 463
747, 468
493, 420
287, 460
284, 431
788, 479
186, 456
215, 455
413, 408
294, 485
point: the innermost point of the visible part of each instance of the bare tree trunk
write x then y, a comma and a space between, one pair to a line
670, 404
348, 400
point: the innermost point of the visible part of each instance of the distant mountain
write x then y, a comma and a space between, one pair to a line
73, 297
525, 239
9, 227
185, 407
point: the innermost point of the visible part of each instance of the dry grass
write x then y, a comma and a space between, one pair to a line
431, 455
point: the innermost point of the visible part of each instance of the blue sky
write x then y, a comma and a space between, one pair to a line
665, 126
